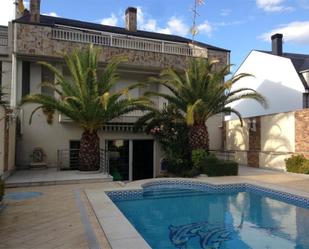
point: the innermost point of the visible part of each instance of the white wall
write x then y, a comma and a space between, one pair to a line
275, 78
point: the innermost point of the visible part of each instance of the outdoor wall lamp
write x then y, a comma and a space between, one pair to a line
252, 124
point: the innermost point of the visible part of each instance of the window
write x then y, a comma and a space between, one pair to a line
47, 77
25, 78
305, 100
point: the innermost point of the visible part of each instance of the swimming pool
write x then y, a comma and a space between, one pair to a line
191, 215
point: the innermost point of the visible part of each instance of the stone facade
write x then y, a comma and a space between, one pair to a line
302, 132
36, 40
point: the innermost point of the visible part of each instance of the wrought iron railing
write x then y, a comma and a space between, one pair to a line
113, 40
224, 155
69, 160
3, 40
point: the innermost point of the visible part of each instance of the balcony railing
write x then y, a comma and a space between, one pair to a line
3, 38
118, 41
69, 159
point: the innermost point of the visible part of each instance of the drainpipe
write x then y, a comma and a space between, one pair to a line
14, 68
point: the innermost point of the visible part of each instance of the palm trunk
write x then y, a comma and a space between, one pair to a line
89, 153
198, 137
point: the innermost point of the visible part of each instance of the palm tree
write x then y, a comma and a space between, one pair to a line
200, 93
87, 99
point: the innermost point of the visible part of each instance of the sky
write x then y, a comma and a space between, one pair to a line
236, 25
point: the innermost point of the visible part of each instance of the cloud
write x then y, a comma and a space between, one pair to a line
230, 23
297, 32
54, 14
7, 12
111, 21
205, 28
174, 24
272, 5
225, 12
304, 4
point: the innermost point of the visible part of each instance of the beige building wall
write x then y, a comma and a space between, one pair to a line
277, 139
2, 140
237, 140
214, 125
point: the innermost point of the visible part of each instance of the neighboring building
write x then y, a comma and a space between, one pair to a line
269, 136
282, 78
37, 37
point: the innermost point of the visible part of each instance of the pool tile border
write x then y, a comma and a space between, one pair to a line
212, 188
120, 232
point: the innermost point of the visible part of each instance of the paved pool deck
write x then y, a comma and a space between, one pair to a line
51, 176
65, 216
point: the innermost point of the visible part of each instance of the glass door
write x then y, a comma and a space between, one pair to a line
118, 152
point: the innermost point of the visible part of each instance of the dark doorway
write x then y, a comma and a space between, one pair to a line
118, 151
74, 154
142, 159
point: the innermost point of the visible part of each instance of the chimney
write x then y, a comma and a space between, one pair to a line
35, 10
131, 16
276, 44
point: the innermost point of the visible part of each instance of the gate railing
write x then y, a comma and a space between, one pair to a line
69, 160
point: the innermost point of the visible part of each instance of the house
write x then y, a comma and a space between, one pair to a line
282, 78
271, 135
35, 37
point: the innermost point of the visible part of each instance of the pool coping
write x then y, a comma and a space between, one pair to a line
121, 234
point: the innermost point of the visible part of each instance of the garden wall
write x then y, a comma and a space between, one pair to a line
266, 141
7, 143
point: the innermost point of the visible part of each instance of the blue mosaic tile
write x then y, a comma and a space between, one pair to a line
209, 188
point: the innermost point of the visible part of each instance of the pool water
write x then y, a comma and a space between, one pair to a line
191, 219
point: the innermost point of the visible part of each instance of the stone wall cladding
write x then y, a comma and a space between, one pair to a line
36, 40
254, 144
253, 158
302, 132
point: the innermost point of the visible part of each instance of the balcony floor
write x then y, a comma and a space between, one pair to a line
50, 176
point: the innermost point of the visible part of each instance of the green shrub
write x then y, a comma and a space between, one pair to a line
191, 173
297, 164
215, 167
198, 158
177, 165
1, 189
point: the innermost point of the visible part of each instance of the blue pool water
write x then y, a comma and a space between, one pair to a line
172, 217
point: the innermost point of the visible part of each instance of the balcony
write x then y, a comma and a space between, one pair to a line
124, 123
126, 42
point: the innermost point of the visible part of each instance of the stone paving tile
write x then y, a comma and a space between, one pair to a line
50, 221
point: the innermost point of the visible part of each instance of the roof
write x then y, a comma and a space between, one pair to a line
51, 21
300, 61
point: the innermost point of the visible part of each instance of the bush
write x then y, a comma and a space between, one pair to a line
198, 158
1, 189
191, 173
297, 164
177, 165
215, 167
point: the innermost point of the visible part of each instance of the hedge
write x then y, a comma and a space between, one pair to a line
216, 167
297, 164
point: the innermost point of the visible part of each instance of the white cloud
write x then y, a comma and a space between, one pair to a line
174, 25
54, 14
297, 32
7, 12
111, 21
225, 12
205, 28
272, 5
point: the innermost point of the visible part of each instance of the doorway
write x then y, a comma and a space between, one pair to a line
142, 163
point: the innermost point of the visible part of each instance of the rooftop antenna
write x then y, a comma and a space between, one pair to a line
194, 29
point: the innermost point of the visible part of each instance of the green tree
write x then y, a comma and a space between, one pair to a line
200, 93
87, 99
